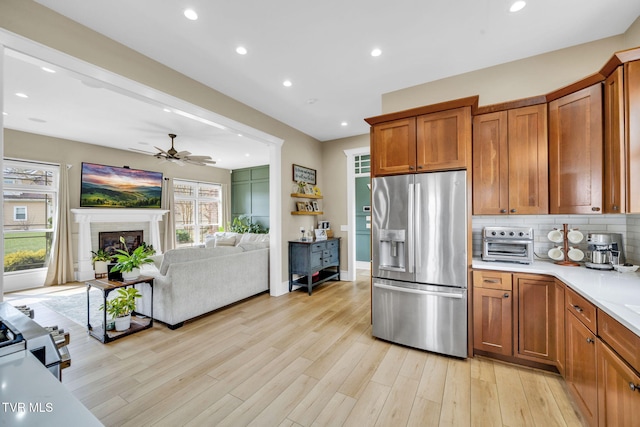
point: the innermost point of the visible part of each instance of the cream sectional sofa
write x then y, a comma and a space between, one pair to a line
190, 282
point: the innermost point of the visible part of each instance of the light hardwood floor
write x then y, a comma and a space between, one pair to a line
295, 360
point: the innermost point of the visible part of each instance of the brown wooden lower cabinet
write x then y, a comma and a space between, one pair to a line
581, 368
535, 297
492, 321
618, 390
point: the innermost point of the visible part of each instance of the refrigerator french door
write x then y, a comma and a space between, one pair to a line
419, 269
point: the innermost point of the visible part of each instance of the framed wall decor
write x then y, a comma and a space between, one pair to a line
315, 206
301, 206
302, 174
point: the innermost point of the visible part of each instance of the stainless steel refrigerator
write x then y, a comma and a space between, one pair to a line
419, 269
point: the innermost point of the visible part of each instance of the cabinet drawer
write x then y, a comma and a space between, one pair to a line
492, 280
621, 339
318, 247
582, 309
332, 244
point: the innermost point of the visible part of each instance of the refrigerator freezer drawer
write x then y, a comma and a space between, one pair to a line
432, 318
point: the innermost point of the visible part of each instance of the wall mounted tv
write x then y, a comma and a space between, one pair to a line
114, 187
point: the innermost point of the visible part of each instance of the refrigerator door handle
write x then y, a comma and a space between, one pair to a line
419, 291
410, 230
417, 236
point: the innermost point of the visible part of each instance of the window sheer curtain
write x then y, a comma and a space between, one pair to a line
169, 239
226, 206
60, 268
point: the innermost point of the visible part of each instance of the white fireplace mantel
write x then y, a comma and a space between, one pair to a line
85, 217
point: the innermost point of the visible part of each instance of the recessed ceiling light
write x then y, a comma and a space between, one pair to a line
240, 135
287, 83
190, 14
4, 113
376, 52
21, 95
247, 154
48, 70
241, 50
166, 110
517, 5
344, 124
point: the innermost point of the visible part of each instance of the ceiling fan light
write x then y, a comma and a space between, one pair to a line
517, 6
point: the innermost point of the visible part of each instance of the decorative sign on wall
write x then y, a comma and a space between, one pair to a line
302, 174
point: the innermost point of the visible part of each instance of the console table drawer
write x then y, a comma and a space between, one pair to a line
318, 247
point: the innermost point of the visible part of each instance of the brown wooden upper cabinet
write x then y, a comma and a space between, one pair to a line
575, 152
428, 142
510, 162
622, 143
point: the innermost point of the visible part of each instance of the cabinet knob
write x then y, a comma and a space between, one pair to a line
506, 295
419, 166
634, 387
503, 211
590, 341
595, 209
410, 168
578, 309
513, 211
615, 207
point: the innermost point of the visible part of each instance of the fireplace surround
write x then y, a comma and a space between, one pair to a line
86, 217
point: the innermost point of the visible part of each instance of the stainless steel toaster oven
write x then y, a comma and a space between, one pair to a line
511, 244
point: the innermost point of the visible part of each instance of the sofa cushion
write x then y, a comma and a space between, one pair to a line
253, 238
191, 254
253, 246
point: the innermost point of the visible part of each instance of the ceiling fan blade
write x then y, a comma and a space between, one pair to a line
198, 157
142, 151
182, 154
161, 151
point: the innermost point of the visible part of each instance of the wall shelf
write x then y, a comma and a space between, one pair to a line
305, 196
306, 213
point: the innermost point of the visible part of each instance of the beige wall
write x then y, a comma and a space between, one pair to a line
35, 22
536, 75
632, 35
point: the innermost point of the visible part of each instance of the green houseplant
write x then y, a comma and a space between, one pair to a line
121, 307
128, 263
100, 260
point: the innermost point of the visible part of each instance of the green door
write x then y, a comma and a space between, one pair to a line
363, 219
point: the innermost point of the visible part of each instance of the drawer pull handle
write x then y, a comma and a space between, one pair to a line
491, 281
578, 309
503, 211
590, 341
634, 387
506, 295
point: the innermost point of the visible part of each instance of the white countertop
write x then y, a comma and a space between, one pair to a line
31, 396
618, 294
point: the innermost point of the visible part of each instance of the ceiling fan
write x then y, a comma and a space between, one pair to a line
182, 157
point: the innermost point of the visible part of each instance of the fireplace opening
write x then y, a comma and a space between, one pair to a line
109, 241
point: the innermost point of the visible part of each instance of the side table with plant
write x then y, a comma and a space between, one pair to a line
121, 307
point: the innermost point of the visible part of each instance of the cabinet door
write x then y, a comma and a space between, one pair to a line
618, 390
536, 323
575, 152
393, 147
490, 164
528, 161
632, 89
614, 144
581, 367
444, 140
492, 321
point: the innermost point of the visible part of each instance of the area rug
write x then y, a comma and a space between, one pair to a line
74, 306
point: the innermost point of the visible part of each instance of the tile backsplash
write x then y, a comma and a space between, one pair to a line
627, 225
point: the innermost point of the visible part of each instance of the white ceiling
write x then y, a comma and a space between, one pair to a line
322, 47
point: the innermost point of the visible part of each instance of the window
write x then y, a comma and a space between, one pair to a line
19, 213
30, 203
198, 211
362, 164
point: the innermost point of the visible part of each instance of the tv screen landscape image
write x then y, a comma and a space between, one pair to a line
114, 187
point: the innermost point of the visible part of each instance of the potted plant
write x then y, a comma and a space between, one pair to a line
121, 307
128, 263
100, 260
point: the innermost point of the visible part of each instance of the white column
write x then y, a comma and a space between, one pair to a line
85, 269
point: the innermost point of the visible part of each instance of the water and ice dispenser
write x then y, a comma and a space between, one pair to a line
392, 249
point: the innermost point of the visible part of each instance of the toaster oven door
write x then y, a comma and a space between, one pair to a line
508, 250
